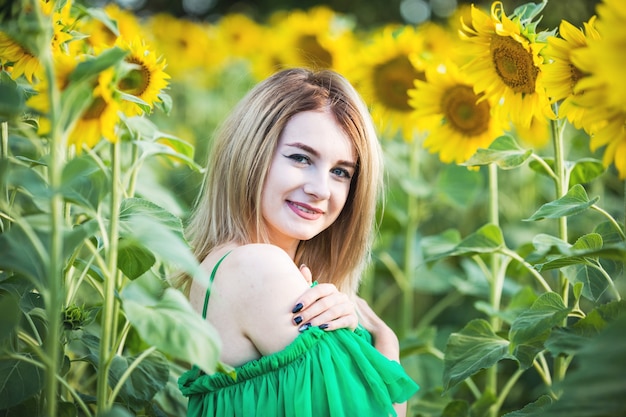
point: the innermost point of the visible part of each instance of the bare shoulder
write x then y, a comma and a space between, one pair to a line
258, 269
262, 285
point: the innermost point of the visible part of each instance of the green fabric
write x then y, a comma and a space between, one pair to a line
335, 374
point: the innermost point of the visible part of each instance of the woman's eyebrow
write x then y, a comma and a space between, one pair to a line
315, 153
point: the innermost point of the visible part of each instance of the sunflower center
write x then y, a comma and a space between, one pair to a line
136, 81
313, 52
463, 112
392, 80
575, 75
514, 64
95, 109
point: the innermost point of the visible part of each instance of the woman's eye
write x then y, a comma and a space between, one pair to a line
343, 173
303, 159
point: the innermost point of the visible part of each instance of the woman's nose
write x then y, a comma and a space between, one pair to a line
318, 186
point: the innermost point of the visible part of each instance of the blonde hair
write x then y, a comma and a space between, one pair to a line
229, 205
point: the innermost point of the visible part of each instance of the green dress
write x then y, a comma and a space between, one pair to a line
337, 373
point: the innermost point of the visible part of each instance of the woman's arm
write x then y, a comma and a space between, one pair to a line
385, 340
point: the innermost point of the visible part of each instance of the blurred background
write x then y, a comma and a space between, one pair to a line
368, 13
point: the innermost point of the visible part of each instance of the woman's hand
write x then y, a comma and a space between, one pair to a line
385, 340
324, 306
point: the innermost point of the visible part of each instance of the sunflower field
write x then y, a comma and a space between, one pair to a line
501, 248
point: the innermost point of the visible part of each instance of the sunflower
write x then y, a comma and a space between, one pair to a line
316, 38
20, 60
145, 80
560, 74
97, 121
610, 134
190, 48
505, 64
458, 120
604, 59
63, 66
100, 118
104, 33
387, 68
240, 35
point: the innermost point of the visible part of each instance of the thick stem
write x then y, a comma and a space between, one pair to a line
409, 240
109, 310
561, 184
497, 279
55, 266
4, 156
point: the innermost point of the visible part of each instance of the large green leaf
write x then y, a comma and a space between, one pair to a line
19, 380
12, 102
84, 183
93, 66
149, 226
596, 383
170, 323
9, 315
148, 378
474, 348
533, 408
503, 151
154, 142
574, 202
585, 170
487, 239
532, 327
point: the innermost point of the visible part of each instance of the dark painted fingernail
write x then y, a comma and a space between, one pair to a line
304, 327
298, 320
297, 308
323, 326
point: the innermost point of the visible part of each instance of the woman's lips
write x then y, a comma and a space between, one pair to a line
305, 211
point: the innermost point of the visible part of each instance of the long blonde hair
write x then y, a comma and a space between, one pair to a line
229, 205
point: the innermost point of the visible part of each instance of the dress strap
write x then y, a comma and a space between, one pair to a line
208, 288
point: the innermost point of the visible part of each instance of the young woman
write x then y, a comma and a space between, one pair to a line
293, 179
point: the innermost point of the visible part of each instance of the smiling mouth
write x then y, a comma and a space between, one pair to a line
304, 208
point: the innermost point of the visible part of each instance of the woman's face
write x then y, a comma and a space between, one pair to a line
309, 179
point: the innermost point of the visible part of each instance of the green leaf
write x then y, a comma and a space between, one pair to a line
134, 260
19, 380
456, 408
12, 103
149, 226
84, 183
585, 170
148, 378
533, 408
487, 239
596, 384
9, 315
441, 243
158, 322
474, 348
503, 151
597, 319
574, 202
91, 67
20, 255
532, 327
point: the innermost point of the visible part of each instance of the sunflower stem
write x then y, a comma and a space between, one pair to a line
411, 232
54, 267
561, 184
4, 156
109, 311
497, 278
